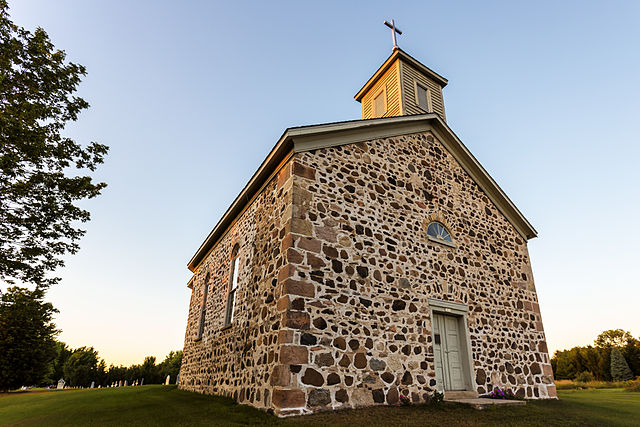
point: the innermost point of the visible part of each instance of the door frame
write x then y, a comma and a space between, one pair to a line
459, 311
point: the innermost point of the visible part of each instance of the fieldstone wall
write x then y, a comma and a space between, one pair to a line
237, 361
335, 276
362, 269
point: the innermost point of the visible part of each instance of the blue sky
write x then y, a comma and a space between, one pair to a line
192, 95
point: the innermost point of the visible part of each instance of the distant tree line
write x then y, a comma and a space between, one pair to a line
615, 356
81, 366
31, 356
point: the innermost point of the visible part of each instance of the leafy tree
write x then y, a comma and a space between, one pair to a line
568, 364
149, 371
171, 365
584, 377
27, 346
37, 185
81, 367
613, 338
619, 369
115, 373
101, 374
631, 353
62, 354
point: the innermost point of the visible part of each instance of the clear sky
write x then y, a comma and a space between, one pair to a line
192, 95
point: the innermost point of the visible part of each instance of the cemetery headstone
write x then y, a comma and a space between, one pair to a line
61, 384
93, 384
166, 381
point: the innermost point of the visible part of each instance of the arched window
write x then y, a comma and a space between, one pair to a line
203, 307
233, 286
438, 232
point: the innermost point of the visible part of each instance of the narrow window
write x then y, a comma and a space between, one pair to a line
203, 307
233, 286
379, 104
423, 98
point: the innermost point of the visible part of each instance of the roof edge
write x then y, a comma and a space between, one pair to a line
396, 55
277, 154
313, 137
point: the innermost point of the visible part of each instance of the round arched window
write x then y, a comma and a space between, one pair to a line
439, 232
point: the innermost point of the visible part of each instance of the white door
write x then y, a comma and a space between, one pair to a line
448, 353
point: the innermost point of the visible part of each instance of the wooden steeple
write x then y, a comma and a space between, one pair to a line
402, 86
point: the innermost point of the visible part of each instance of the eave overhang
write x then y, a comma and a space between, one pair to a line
399, 54
307, 138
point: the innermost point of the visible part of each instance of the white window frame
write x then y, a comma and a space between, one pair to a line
203, 308
233, 286
451, 244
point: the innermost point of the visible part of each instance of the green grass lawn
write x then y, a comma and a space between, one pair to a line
165, 405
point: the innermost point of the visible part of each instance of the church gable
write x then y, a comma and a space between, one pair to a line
401, 184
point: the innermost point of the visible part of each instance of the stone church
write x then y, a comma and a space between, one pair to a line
367, 259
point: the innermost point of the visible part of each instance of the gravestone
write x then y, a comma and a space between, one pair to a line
120, 383
178, 378
61, 384
142, 382
93, 384
126, 383
167, 380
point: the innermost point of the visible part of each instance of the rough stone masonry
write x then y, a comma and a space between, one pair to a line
336, 272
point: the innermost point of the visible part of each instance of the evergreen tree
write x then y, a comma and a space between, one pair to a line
619, 369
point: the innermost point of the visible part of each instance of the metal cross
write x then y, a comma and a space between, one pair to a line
394, 30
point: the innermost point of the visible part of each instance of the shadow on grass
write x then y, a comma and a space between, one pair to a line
165, 405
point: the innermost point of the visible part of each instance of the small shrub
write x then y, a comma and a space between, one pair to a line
573, 385
404, 400
566, 385
502, 393
634, 385
437, 398
584, 377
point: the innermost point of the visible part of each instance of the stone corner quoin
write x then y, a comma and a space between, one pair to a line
337, 280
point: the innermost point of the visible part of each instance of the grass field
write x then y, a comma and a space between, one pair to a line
165, 405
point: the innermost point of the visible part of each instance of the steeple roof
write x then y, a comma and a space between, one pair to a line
399, 54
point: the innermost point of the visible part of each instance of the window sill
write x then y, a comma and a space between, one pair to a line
442, 242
